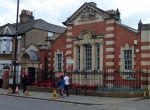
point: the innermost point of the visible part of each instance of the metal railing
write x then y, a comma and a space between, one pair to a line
116, 80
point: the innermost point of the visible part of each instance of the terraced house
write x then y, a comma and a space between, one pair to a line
34, 41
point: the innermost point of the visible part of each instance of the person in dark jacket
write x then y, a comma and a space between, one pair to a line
24, 79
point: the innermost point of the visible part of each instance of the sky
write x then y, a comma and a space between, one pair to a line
57, 11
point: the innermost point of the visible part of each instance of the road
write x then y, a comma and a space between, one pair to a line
19, 103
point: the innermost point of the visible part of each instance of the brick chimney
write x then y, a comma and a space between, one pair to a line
26, 16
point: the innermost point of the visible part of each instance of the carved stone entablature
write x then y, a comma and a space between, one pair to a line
88, 14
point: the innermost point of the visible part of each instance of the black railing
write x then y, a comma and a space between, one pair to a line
100, 81
116, 81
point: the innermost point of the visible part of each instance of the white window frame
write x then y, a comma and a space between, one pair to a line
50, 35
122, 62
58, 52
128, 59
3, 45
88, 57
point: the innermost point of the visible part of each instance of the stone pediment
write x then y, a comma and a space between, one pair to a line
86, 13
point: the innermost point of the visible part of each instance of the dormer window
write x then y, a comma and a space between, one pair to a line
50, 35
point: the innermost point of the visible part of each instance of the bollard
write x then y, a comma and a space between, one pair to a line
54, 94
146, 93
10, 91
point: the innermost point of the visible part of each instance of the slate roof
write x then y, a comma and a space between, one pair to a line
33, 24
129, 28
145, 26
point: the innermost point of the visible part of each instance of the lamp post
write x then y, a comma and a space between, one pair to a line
46, 69
15, 49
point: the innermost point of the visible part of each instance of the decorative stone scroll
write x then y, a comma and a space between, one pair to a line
88, 14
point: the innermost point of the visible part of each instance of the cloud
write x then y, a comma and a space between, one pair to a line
53, 11
57, 11
7, 13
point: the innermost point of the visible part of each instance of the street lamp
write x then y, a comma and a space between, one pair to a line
15, 49
46, 69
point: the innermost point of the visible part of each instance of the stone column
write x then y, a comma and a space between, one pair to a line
93, 56
75, 57
81, 57
101, 56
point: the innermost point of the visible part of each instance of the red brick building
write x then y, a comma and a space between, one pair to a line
97, 40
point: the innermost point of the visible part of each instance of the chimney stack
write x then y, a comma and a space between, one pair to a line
26, 16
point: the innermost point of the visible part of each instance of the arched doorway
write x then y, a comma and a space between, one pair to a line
31, 72
29, 60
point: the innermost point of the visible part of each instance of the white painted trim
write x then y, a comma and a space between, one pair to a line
5, 61
2, 38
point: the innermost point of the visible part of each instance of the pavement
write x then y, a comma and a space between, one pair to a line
76, 99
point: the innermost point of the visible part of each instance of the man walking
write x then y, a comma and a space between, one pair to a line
66, 79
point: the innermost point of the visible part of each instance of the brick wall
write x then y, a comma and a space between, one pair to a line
59, 43
124, 36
